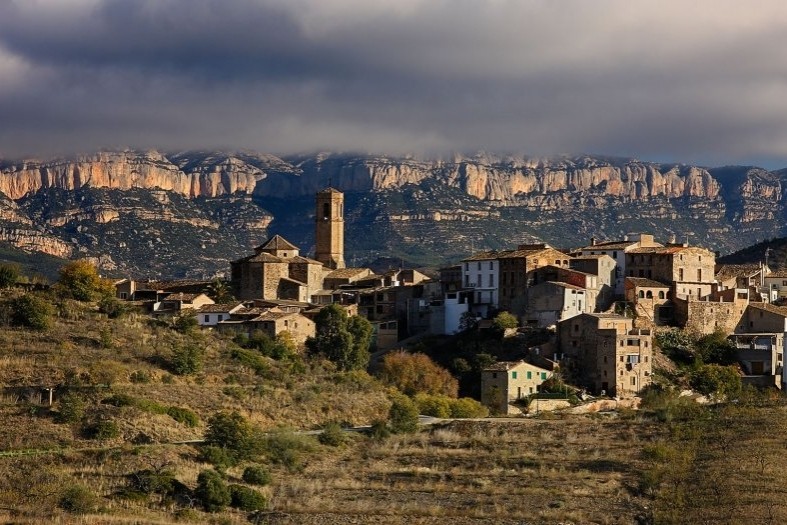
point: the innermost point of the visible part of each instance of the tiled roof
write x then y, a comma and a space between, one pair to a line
219, 308
503, 366
272, 316
277, 242
329, 190
646, 283
779, 274
346, 273
565, 285
302, 259
185, 297
609, 245
483, 256
780, 310
736, 270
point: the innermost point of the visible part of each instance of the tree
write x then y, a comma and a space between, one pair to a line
716, 380
212, 491
219, 291
186, 359
403, 415
31, 311
9, 275
341, 338
231, 431
505, 320
80, 280
417, 373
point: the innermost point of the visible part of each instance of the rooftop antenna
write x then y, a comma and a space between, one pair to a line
767, 253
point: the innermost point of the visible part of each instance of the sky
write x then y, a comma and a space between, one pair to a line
702, 82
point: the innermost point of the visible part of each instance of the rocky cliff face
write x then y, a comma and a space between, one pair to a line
144, 211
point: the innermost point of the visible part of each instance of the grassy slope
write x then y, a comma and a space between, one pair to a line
714, 466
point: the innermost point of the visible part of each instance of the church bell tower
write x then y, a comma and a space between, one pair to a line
330, 228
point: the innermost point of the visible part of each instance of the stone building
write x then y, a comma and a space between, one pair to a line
689, 269
516, 267
503, 383
617, 251
719, 311
606, 354
330, 228
550, 302
651, 301
277, 271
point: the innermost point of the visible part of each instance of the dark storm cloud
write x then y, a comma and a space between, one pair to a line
662, 80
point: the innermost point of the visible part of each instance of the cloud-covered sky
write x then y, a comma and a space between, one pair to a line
703, 81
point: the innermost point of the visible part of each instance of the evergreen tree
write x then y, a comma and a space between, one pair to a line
342, 339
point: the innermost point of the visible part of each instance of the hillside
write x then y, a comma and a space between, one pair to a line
147, 214
776, 254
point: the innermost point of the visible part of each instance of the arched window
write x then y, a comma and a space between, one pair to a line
649, 295
661, 294
326, 211
641, 294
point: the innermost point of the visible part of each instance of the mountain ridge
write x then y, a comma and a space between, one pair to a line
113, 204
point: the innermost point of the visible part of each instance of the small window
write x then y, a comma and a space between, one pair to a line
207, 318
494, 375
530, 375
513, 375
633, 381
543, 376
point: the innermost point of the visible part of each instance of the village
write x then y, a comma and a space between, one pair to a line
602, 304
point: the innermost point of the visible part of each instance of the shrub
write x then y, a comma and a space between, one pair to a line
120, 400
72, 409
332, 435
185, 323
435, 406
80, 280
212, 491
416, 373
251, 359
287, 449
139, 376
244, 498
78, 499
379, 430
101, 430
153, 481
403, 414
221, 458
186, 360
112, 307
9, 275
31, 311
184, 416
255, 475
716, 380
467, 407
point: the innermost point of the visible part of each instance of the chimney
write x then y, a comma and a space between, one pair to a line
592, 241
626, 238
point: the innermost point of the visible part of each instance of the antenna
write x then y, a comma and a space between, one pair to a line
767, 253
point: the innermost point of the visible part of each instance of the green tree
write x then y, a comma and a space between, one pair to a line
212, 491
505, 320
186, 360
715, 380
9, 275
341, 338
31, 311
233, 432
80, 280
403, 414
220, 291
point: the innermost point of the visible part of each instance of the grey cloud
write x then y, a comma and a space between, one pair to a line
658, 80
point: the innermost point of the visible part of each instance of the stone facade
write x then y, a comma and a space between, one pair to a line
516, 267
689, 269
617, 251
506, 382
719, 311
605, 353
651, 300
330, 228
550, 302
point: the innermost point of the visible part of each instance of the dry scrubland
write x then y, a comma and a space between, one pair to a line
673, 462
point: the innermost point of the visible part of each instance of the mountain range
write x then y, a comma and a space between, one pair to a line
187, 214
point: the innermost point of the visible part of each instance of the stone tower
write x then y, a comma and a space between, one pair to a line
330, 228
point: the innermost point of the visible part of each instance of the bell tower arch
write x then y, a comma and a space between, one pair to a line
329, 228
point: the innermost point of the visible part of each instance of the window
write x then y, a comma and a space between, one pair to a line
513, 375
478, 266
207, 318
543, 376
680, 274
632, 359
649, 295
491, 280
641, 294
633, 381
621, 357
326, 211
491, 265
530, 375
614, 255
123, 295
661, 294
494, 375
699, 274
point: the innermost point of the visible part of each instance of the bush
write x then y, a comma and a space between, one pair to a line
716, 380
186, 360
9, 275
417, 373
332, 435
78, 499
435, 406
219, 457
139, 376
287, 449
467, 407
244, 498
212, 491
186, 323
255, 475
184, 416
101, 430
72, 409
31, 311
112, 307
251, 359
403, 415
379, 430
153, 481
80, 280
231, 431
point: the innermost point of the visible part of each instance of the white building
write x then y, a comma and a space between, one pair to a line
213, 314
481, 273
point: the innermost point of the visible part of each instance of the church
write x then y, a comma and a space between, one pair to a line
278, 271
